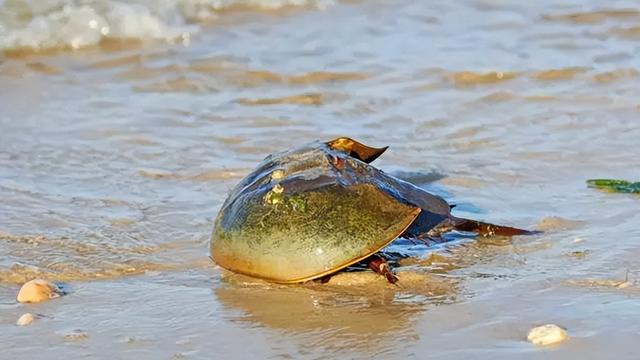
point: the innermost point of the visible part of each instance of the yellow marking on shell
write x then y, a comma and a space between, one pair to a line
275, 195
276, 200
277, 174
271, 198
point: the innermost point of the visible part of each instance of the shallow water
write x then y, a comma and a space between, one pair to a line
115, 157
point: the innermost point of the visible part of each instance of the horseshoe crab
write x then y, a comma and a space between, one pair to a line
306, 213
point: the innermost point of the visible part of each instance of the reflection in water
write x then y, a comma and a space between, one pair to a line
355, 312
359, 311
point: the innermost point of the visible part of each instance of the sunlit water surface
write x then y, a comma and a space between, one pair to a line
124, 126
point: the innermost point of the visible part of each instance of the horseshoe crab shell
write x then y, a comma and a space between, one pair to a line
311, 211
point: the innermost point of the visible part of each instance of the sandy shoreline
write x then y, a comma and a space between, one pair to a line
116, 158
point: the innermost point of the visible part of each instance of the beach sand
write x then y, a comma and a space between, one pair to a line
118, 147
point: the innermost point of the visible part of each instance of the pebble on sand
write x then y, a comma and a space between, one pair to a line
25, 319
547, 335
38, 290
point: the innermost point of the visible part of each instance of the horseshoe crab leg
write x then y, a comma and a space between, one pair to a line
380, 266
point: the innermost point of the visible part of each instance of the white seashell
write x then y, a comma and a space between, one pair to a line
38, 290
25, 319
547, 335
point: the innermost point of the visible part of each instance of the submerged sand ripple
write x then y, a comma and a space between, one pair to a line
65, 259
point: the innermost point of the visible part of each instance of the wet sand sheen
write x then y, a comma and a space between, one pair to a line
115, 159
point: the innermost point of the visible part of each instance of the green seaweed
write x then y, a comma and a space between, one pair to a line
614, 185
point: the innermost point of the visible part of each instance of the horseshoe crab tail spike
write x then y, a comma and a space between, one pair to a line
486, 229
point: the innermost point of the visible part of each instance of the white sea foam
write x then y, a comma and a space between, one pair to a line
73, 24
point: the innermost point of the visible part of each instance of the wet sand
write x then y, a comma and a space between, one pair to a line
115, 158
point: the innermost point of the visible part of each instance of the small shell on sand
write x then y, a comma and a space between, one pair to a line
547, 335
25, 319
38, 290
